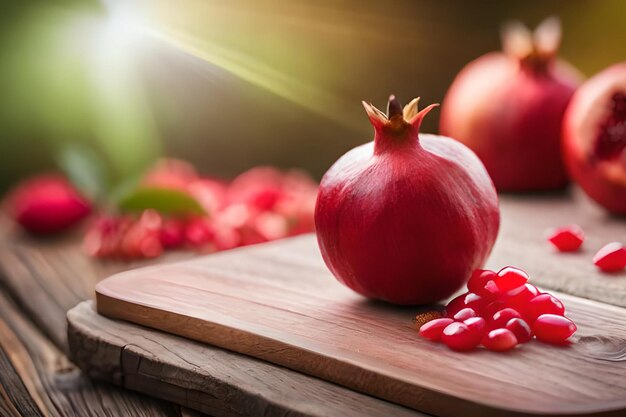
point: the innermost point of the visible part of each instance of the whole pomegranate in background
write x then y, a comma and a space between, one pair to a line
508, 107
594, 138
47, 204
406, 219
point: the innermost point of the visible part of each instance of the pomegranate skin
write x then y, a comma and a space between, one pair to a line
508, 108
406, 219
603, 178
47, 204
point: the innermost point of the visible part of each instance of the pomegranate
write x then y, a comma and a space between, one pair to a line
47, 204
594, 138
508, 107
406, 218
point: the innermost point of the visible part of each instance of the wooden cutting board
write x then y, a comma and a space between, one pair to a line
205, 378
278, 302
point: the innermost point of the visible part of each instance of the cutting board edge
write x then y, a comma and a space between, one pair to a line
115, 308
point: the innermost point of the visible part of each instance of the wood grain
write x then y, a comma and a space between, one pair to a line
50, 384
279, 303
206, 378
522, 242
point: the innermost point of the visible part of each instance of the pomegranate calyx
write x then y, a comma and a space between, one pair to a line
535, 50
399, 122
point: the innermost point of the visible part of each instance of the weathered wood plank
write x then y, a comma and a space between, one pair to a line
205, 378
53, 386
278, 302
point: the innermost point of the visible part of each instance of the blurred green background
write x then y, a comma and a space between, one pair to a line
107, 86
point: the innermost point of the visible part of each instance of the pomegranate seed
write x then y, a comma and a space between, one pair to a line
459, 336
492, 308
568, 238
490, 291
511, 277
520, 296
499, 340
479, 279
476, 324
432, 330
502, 317
172, 233
464, 314
543, 304
551, 328
474, 301
520, 329
455, 305
611, 258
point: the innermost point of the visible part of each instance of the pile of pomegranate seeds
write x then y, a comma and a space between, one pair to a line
260, 205
567, 238
500, 311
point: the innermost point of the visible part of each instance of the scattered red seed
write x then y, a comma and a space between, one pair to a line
464, 314
500, 340
551, 328
434, 328
520, 329
611, 258
543, 304
500, 319
567, 238
510, 278
459, 336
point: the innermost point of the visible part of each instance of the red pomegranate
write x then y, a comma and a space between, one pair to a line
508, 107
406, 219
594, 138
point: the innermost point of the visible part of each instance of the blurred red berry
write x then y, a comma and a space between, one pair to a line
47, 204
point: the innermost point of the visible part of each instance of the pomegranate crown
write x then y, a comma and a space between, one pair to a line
398, 119
534, 49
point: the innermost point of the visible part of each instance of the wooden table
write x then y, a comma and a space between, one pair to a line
41, 279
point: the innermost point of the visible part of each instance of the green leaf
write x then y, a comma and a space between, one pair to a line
85, 169
164, 200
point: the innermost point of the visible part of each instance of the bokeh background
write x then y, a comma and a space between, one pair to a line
107, 86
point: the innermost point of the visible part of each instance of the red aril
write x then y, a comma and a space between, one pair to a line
567, 238
499, 340
508, 108
389, 212
520, 329
464, 314
594, 138
510, 277
492, 308
543, 304
433, 329
502, 317
611, 258
479, 279
551, 328
459, 336
172, 233
455, 305
198, 232
475, 301
519, 297
476, 324
490, 291
47, 204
